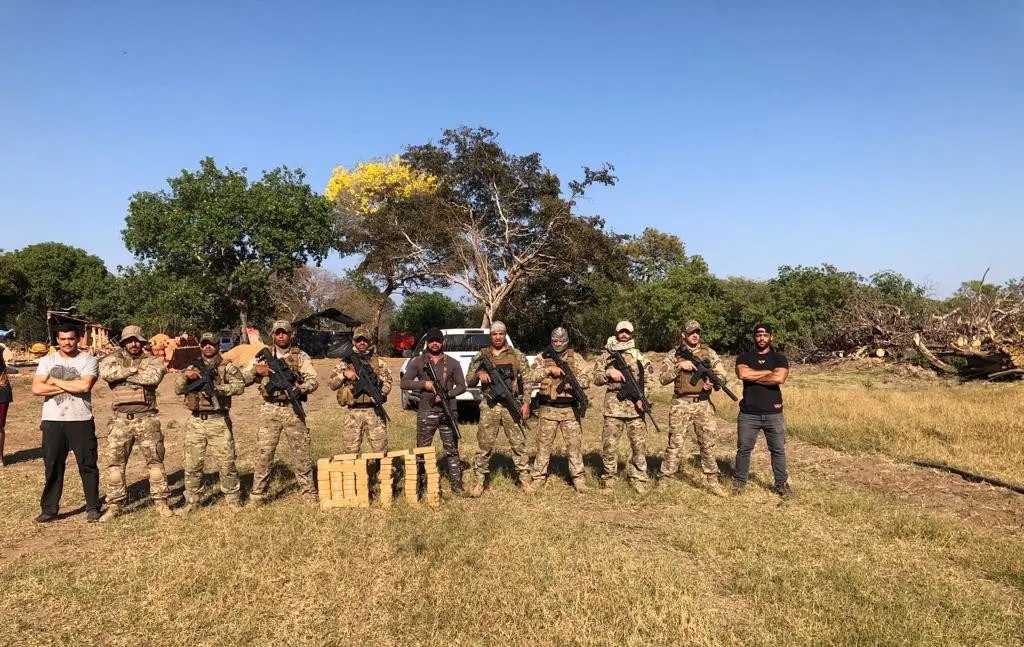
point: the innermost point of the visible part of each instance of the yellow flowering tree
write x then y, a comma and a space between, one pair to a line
384, 214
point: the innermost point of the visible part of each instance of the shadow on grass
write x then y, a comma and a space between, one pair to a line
24, 456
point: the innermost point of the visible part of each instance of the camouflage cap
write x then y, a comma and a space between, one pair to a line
498, 326
560, 334
362, 332
208, 337
132, 332
281, 324
624, 325
691, 326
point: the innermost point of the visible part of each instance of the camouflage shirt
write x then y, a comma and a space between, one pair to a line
296, 360
132, 380
670, 371
227, 381
338, 382
510, 362
613, 406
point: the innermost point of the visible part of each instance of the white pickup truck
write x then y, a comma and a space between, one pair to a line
462, 344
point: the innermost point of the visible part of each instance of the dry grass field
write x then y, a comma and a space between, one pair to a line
869, 551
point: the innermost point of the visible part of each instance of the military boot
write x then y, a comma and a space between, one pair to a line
233, 502
714, 487
455, 475
640, 487
186, 509
608, 484
311, 498
526, 480
580, 484
663, 483
112, 511
162, 508
738, 488
477, 489
785, 490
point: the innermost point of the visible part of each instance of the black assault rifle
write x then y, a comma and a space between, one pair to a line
205, 383
367, 383
442, 391
500, 391
282, 380
580, 402
703, 372
631, 389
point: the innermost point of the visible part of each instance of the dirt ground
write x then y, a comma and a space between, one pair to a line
984, 505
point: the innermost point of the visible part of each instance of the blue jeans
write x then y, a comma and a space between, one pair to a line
748, 426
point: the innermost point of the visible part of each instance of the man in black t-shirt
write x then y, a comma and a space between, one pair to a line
763, 372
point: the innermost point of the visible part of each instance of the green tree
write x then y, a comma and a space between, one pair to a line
652, 254
806, 300
51, 276
504, 214
228, 235
424, 310
688, 291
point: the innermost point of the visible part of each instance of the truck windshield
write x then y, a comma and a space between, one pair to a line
463, 343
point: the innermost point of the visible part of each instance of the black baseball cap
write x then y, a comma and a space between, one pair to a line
765, 327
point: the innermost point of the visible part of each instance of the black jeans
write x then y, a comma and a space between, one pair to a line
78, 436
748, 426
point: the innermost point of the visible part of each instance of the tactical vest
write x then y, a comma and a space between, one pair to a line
547, 391
293, 360
128, 397
507, 364
345, 397
197, 400
682, 386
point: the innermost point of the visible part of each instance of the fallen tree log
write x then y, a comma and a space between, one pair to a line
937, 363
971, 476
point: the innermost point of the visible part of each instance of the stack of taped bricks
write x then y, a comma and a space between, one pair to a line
344, 480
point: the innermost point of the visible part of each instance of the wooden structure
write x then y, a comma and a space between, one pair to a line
344, 480
95, 337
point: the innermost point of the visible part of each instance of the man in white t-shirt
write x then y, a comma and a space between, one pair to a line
65, 380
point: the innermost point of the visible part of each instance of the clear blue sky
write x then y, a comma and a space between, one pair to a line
870, 135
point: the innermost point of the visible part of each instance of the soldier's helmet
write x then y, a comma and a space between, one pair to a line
132, 332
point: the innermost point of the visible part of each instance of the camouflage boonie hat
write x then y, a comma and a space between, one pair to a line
691, 326
560, 334
132, 332
209, 337
498, 326
362, 332
624, 325
281, 324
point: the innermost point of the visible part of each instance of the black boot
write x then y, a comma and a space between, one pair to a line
455, 475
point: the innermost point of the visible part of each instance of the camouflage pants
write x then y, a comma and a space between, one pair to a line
122, 434
357, 424
213, 434
551, 420
275, 421
701, 415
493, 419
636, 431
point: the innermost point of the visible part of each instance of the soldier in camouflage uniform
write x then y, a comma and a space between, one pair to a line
210, 424
358, 419
555, 411
623, 414
133, 377
277, 416
511, 363
691, 405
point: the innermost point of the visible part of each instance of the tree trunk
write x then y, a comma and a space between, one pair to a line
385, 298
243, 317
